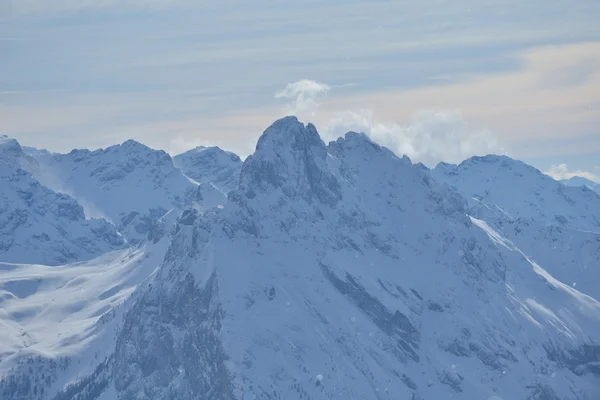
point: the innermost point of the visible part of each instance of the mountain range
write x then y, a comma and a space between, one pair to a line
556, 225
38, 225
581, 181
307, 271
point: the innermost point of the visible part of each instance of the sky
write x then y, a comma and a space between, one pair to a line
438, 81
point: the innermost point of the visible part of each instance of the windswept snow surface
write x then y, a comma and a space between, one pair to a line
116, 181
133, 185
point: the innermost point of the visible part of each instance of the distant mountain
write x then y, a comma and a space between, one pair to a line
211, 164
120, 179
337, 271
12, 153
580, 181
38, 225
556, 225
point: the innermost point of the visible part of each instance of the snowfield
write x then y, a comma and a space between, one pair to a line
66, 316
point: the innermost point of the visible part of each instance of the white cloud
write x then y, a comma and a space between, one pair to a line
431, 136
303, 94
561, 171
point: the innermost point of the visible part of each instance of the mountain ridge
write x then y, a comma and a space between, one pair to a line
581, 181
210, 164
558, 226
38, 225
343, 271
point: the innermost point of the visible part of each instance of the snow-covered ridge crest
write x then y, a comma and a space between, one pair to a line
9, 146
211, 165
12, 152
124, 183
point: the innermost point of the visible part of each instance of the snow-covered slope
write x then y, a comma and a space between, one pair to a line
558, 226
211, 164
580, 181
343, 272
38, 225
118, 180
59, 322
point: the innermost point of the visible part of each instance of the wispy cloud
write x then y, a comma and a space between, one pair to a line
518, 104
431, 136
303, 95
505, 67
561, 171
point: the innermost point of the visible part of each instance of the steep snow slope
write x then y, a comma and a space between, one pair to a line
558, 226
344, 272
523, 191
579, 181
119, 180
59, 322
38, 225
211, 164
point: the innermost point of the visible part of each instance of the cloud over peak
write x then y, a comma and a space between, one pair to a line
303, 95
561, 171
431, 136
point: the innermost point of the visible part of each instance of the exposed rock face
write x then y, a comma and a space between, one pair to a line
290, 157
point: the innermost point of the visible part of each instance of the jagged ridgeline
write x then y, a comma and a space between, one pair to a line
337, 271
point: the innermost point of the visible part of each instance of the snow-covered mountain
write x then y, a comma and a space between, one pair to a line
211, 165
333, 272
12, 153
38, 225
558, 226
580, 181
118, 180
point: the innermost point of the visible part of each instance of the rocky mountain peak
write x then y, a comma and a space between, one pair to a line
292, 157
9, 147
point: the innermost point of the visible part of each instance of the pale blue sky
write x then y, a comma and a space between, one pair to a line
513, 76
